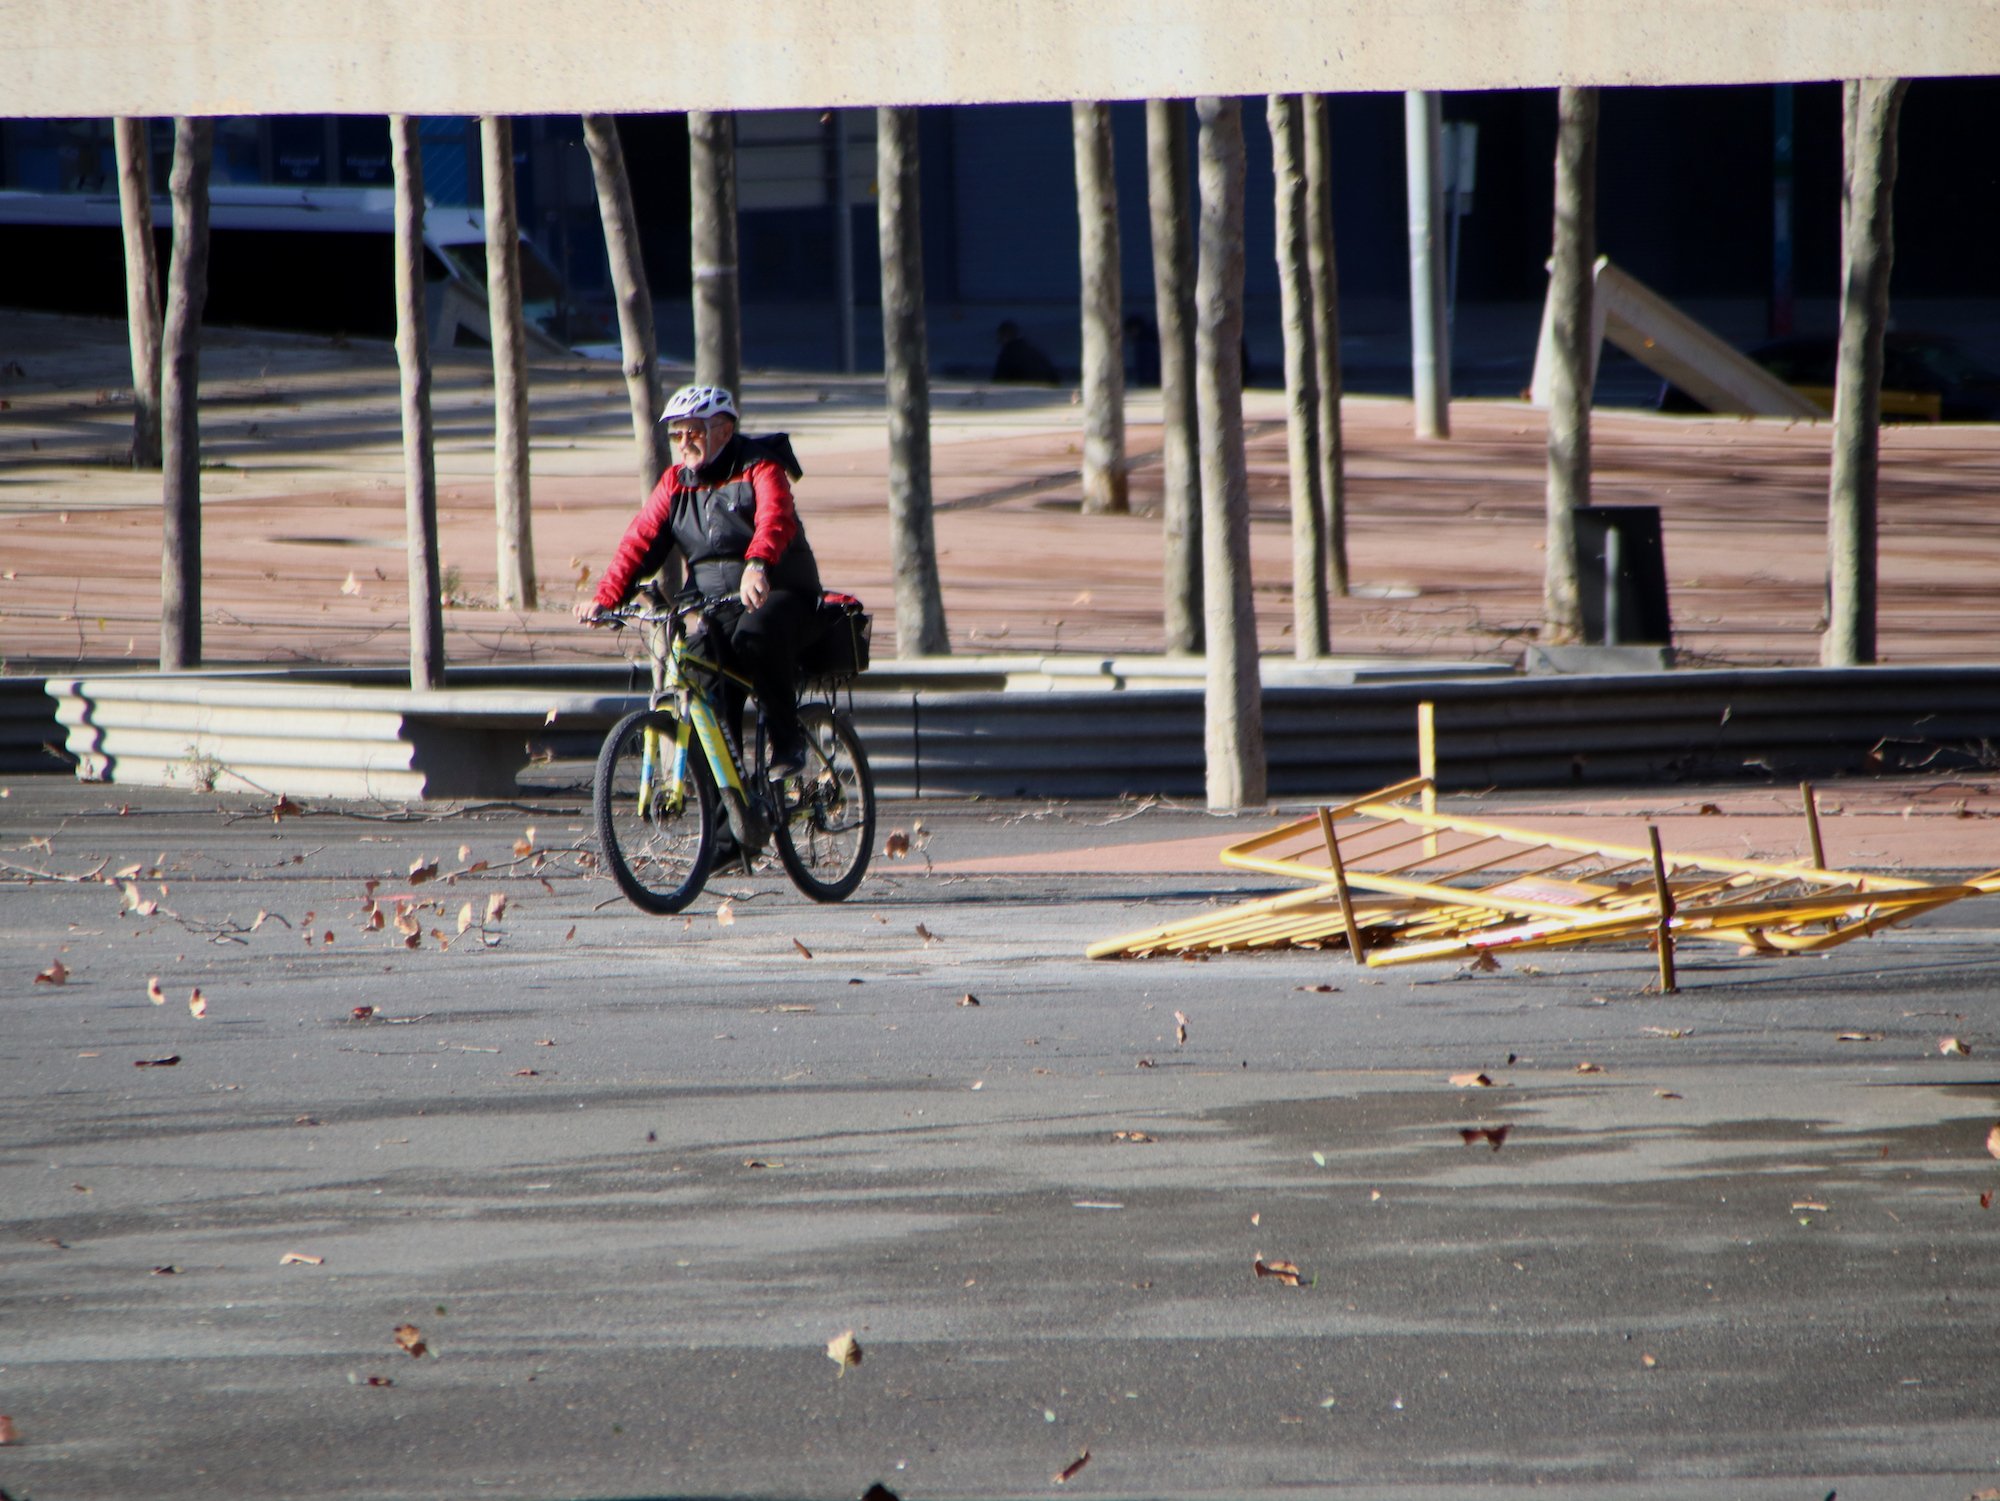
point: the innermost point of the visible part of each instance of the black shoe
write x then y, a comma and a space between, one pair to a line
788, 755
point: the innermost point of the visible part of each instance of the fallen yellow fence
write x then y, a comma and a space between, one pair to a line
1397, 883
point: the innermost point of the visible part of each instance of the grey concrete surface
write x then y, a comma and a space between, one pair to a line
629, 1175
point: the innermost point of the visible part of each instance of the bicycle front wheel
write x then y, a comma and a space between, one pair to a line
656, 836
826, 827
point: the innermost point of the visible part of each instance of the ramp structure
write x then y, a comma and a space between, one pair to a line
1397, 883
1673, 346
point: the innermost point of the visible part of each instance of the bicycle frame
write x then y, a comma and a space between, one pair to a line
697, 718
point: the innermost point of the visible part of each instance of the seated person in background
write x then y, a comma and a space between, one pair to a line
1020, 361
726, 504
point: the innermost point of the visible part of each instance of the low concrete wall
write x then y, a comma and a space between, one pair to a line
309, 735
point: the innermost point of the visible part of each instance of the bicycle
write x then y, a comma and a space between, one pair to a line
669, 775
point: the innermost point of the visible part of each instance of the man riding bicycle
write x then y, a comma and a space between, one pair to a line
726, 504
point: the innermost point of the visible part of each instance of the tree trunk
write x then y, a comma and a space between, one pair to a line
1171, 211
1310, 632
1324, 270
718, 306
1430, 341
180, 388
142, 285
1572, 266
1104, 474
1869, 109
413, 359
1235, 710
511, 515
920, 627
638, 340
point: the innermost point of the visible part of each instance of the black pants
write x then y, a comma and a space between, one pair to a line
764, 646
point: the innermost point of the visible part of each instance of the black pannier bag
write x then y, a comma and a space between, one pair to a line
839, 647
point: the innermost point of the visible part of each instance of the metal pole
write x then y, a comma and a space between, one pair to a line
1665, 936
1430, 350
843, 244
1614, 565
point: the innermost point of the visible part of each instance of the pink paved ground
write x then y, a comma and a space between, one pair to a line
1445, 537
1890, 824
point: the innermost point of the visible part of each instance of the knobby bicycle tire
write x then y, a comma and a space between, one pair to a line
658, 854
826, 827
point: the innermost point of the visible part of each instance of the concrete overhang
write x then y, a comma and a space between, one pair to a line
259, 57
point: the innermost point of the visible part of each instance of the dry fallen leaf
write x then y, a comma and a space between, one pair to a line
9, 1434
380, 1381
844, 1350
409, 1338
1666, 1094
1482, 963
1136, 1136
1471, 1081
1069, 1472
1494, 1135
361, 1013
525, 845
352, 586
925, 933
496, 906
299, 1258
56, 974
968, 999
1986, 1199
1858, 1037
422, 870
1649, 1361
465, 917
896, 845
527, 1073
172, 1058
726, 913
1993, 1142
153, 992
570, 934
1180, 1029
197, 1004
1587, 1067
804, 952
406, 920
283, 806
1953, 1046
1285, 1271
1319, 989
1710, 810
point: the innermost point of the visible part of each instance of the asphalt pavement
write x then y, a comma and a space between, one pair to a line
628, 1176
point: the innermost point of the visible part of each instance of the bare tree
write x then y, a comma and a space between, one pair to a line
1324, 271
1170, 207
1571, 283
413, 360
1235, 709
718, 306
638, 340
512, 517
1310, 631
180, 394
1430, 341
1870, 110
920, 627
1104, 472
142, 285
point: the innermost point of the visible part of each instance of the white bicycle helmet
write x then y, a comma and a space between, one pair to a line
699, 401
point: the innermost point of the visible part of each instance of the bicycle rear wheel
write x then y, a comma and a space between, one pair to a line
656, 841
826, 825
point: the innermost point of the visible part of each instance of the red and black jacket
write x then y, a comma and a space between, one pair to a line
736, 507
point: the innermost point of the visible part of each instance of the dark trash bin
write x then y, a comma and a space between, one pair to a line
1622, 572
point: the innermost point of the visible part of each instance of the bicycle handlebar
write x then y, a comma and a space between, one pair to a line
678, 606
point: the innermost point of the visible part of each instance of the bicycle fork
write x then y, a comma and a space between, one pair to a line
747, 819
